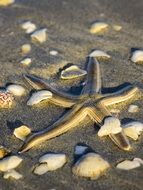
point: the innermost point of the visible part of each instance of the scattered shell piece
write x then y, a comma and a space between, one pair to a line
54, 161
79, 149
117, 27
6, 2
6, 99
111, 125
29, 27
99, 54
133, 129
133, 108
9, 162
12, 174
53, 52
22, 132
138, 160
98, 27
39, 36
39, 96
137, 56
16, 90
128, 165
72, 72
26, 61
41, 169
25, 48
3, 152
90, 165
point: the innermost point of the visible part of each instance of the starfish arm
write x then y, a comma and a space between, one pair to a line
58, 98
67, 122
93, 83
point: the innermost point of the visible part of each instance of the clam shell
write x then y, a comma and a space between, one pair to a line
16, 90
27, 61
111, 125
54, 161
72, 72
133, 108
28, 26
128, 165
3, 152
79, 149
98, 27
9, 163
6, 99
6, 2
41, 169
39, 96
99, 54
25, 48
12, 174
39, 36
90, 165
22, 132
137, 56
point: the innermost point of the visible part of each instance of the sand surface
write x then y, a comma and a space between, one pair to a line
67, 23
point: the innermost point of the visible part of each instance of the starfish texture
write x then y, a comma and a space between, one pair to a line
90, 103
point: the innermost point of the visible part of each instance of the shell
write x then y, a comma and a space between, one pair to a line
133, 108
128, 165
54, 161
25, 48
3, 152
98, 27
22, 132
39, 36
6, 2
137, 56
41, 169
111, 125
53, 52
6, 99
90, 165
16, 90
12, 173
72, 72
28, 26
27, 61
117, 27
99, 54
9, 162
39, 96
79, 149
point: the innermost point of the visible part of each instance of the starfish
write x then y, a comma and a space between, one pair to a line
91, 103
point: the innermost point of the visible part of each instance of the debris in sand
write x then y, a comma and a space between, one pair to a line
22, 132
16, 90
98, 27
137, 56
133, 108
28, 26
117, 27
39, 36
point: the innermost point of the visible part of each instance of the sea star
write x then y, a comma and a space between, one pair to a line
91, 102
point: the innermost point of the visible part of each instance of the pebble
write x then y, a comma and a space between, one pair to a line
137, 56
98, 27
22, 132
117, 27
39, 36
16, 90
28, 26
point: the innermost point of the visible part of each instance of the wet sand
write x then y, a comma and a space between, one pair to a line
67, 23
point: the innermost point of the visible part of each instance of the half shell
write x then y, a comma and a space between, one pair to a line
137, 56
39, 36
128, 165
22, 132
98, 27
16, 90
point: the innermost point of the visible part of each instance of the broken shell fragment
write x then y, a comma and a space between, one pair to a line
99, 54
16, 90
26, 48
111, 125
137, 56
39, 96
6, 2
54, 161
29, 27
39, 36
79, 149
27, 61
133, 108
6, 99
98, 27
72, 72
3, 152
91, 166
22, 132
12, 174
9, 162
128, 165
41, 169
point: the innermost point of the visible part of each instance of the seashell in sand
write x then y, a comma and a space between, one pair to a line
133, 108
25, 49
28, 26
6, 99
91, 166
54, 161
16, 90
12, 174
117, 27
72, 72
9, 162
53, 52
27, 61
39, 96
137, 56
22, 132
6, 2
111, 125
39, 36
133, 129
99, 54
79, 149
98, 27
128, 165
3, 152
41, 169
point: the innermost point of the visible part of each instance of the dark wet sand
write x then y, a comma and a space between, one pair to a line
67, 23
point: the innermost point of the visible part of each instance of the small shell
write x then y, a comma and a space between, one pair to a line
26, 48
53, 52
16, 90
133, 108
111, 125
54, 161
99, 54
22, 132
9, 163
39, 36
27, 61
39, 96
72, 72
98, 27
29, 27
3, 152
90, 165
6, 99
79, 149
128, 165
137, 56
6, 2
117, 27
41, 169
12, 174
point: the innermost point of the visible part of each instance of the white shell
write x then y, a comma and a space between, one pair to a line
99, 54
128, 165
9, 163
137, 56
72, 72
90, 165
54, 161
6, 2
29, 27
41, 169
79, 149
16, 90
25, 48
12, 173
98, 27
111, 125
22, 132
27, 61
39, 96
39, 36
133, 108
53, 52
